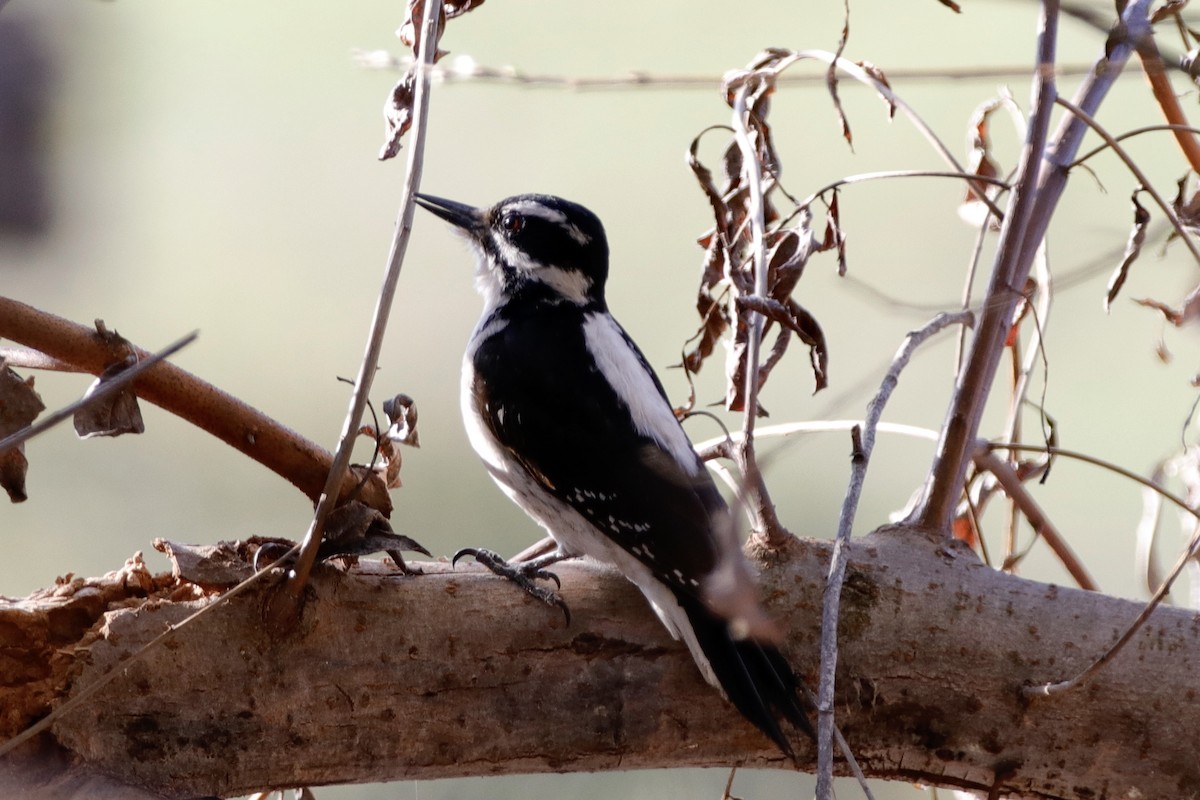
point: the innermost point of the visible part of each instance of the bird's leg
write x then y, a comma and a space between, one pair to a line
524, 573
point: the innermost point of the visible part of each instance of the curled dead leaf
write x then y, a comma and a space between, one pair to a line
19, 407
1133, 248
114, 415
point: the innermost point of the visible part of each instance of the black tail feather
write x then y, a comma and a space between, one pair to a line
756, 677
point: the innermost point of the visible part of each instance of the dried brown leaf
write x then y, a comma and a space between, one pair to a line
1187, 209
1133, 248
456, 8
980, 162
355, 529
13, 468
713, 324
114, 415
834, 236
878, 74
415, 17
953, 6
19, 403
735, 372
704, 177
401, 410
398, 113
797, 319
831, 77
1170, 8
19, 407
788, 254
729, 262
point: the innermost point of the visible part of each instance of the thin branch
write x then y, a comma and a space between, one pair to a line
715, 447
1133, 167
1129, 135
890, 174
864, 445
28, 358
383, 307
767, 522
464, 69
1015, 489
895, 101
104, 390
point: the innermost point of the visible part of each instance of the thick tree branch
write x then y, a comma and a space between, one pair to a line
449, 674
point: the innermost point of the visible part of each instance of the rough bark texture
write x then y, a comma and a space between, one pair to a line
450, 674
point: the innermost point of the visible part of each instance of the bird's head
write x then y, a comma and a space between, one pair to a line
532, 244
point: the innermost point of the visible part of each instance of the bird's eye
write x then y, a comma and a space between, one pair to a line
512, 222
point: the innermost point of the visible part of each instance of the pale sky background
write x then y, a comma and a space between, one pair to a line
213, 167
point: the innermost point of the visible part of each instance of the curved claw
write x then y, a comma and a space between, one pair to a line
547, 575
473, 552
558, 601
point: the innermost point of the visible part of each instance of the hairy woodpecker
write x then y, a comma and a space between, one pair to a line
574, 426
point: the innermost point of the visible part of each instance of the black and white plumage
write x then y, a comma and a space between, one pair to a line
574, 426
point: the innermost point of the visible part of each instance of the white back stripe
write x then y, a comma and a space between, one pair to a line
630, 378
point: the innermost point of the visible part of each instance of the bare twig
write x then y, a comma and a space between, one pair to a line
864, 444
1120, 137
715, 448
767, 524
370, 362
890, 174
1133, 167
894, 100
464, 69
1147, 532
104, 390
28, 358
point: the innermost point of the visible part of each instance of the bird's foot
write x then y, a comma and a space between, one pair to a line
523, 574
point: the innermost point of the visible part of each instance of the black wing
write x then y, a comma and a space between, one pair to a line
573, 434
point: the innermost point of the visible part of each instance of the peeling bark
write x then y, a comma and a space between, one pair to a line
388, 677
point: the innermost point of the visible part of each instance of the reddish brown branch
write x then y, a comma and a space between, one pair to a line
1168, 101
1011, 483
285, 452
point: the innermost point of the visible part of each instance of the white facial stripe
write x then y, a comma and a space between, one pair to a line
530, 208
571, 284
630, 378
514, 257
533, 209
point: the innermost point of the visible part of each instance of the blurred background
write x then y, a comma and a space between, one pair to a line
212, 165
